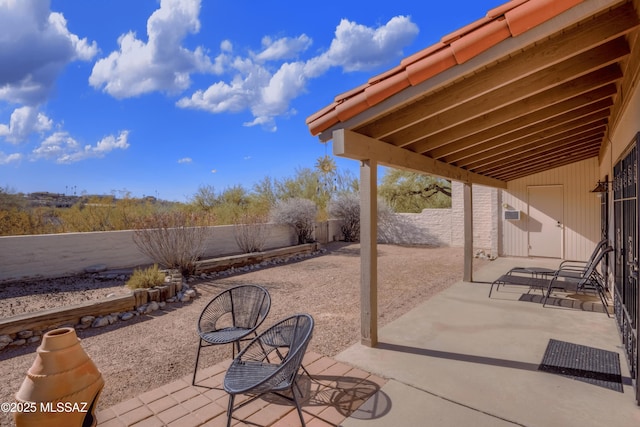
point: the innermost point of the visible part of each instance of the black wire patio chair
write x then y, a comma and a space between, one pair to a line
270, 363
232, 316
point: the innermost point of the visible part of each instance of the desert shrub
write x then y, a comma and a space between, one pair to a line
346, 208
172, 240
147, 278
299, 214
251, 232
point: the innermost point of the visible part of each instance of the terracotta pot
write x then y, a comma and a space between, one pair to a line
62, 386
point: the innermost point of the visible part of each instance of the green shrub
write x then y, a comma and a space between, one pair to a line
147, 278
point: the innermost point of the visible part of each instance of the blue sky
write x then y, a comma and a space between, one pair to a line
158, 98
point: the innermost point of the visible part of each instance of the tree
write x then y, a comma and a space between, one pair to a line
205, 197
319, 184
412, 192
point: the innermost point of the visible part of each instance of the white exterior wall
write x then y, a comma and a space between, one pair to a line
57, 255
445, 227
581, 210
430, 227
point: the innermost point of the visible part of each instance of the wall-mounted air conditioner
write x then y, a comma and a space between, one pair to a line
512, 215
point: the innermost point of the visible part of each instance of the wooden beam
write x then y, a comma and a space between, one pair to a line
350, 144
511, 94
467, 197
521, 127
550, 164
532, 158
368, 253
502, 154
570, 42
579, 86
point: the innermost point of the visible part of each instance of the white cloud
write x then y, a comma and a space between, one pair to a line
356, 47
63, 148
28, 26
24, 121
161, 63
214, 170
5, 159
266, 85
185, 160
284, 48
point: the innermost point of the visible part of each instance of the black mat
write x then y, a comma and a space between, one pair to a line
583, 363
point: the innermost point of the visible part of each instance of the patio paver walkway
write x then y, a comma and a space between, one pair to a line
333, 393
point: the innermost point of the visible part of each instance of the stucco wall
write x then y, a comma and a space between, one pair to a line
445, 227
56, 255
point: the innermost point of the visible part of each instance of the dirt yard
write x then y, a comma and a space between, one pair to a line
153, 350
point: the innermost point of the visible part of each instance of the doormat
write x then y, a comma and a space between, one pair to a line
583, 363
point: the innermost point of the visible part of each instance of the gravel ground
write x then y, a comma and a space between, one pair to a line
153, 350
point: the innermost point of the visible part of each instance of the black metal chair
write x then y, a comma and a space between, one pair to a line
270, 363
231, 316
582, 277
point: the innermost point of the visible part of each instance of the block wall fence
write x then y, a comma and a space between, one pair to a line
58, 255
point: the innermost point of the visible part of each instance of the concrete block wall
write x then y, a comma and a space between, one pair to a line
430, 227
445, 227
58, 255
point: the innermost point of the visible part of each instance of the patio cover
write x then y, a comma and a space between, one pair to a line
535, 85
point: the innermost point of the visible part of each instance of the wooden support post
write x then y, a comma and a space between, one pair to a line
368, 253
468, 232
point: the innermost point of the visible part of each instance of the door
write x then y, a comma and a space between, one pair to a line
545, 221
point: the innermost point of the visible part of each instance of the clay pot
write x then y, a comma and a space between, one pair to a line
62, 386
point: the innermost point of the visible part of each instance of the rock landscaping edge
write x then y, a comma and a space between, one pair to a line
28, 328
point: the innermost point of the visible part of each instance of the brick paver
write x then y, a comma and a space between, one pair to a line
181, 404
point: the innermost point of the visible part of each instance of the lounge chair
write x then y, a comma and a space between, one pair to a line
522, 276
582, 277
540, 278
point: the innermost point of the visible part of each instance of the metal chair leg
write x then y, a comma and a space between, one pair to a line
295, 400
195, 370
230, 409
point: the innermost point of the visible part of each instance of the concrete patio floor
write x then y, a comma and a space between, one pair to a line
463, 359
459, 359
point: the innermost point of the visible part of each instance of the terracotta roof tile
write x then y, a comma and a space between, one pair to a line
480, 40
501, 10
532, 13
386, 87
434, 64
509, 20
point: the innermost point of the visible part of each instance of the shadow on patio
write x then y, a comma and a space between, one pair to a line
462, 358
334, 391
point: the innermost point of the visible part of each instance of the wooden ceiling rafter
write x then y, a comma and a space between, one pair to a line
519, 127
529, 156
573, 132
